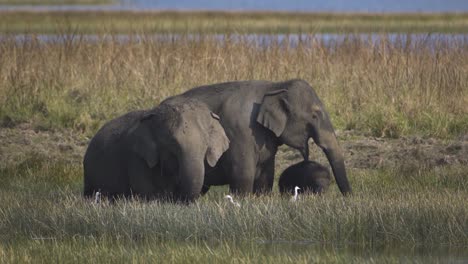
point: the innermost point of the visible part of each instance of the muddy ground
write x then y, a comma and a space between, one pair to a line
22, 142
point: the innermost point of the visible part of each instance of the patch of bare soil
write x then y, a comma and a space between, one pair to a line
376, 152
371, 152
21, 142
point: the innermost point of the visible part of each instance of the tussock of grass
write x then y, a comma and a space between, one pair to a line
389, 88
228, 22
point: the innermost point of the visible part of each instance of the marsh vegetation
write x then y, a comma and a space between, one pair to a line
43, 217
385, 88
69, 86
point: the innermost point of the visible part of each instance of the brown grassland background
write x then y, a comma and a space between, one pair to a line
388, 88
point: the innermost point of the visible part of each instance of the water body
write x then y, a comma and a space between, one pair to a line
262, 40
275, 5
311, 5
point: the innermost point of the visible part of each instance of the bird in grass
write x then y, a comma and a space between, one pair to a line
229, 197
97, 198
296, 194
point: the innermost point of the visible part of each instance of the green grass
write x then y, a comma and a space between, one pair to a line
394, 214
55, 2
91, 22
92, 250
396, 88
391, 89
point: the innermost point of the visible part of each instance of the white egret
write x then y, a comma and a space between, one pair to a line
294, 198
229, 197
97, 199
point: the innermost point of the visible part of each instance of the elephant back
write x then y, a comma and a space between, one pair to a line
115, 129
308, 175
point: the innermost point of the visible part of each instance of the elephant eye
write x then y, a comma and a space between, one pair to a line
316, 112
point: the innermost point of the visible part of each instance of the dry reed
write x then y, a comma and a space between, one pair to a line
389, 87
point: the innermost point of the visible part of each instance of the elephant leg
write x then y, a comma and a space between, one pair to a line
205, 189
242, 173
264, 181
318, 190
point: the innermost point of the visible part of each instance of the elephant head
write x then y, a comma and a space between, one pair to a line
294, 113
180, 135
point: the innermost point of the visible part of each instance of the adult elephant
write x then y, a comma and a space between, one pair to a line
158, 153
258, 116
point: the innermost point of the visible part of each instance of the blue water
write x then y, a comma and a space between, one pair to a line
311, 5
264, 40
278, 5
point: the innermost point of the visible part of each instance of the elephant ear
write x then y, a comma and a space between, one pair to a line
218, 142
143, 143
273, 111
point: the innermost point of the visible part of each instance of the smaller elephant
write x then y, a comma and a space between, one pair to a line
310, 176
158, 153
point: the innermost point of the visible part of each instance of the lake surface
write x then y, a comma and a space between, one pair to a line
311, 5
277, 5
262, 40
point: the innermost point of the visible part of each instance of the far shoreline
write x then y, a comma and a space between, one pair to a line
227, 22
110, 7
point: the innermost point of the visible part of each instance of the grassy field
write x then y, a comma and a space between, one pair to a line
92, 22
417, 214
392, 88
55, 2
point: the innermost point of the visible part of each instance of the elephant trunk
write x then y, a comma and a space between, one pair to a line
191, 176
336, 160
326, 139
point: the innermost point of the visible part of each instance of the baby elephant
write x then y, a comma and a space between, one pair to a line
310, 176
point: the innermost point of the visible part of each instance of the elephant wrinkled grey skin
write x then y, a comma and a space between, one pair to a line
310, 176
258, 116
158, 153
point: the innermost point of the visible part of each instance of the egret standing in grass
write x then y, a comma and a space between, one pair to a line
296, 194
97, 199
229, 197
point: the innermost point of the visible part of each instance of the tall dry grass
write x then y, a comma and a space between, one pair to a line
385, 88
